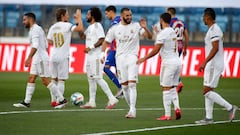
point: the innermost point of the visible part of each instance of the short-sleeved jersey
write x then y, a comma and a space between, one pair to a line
93, 33
116, 20
215, 33
60, 33
126, 37
178, 26
38, 40
168, 52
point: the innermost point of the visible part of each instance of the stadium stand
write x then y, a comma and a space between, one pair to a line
11, 22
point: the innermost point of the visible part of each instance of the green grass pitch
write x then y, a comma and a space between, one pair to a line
42, 119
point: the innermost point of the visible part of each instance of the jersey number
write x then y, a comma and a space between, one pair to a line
58, 39
179, 32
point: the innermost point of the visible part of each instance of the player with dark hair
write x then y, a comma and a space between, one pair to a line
94, 36
182, 34
110, 13
165, 44
213, 66
127, 34
38, 61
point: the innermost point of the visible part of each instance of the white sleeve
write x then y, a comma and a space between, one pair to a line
160, 38
100, 31
215, 35
35, 39
72, 28
110, 35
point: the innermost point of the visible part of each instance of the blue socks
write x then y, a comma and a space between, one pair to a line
112, 76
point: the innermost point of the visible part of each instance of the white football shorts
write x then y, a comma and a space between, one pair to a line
60, 69
94, 68
212, 75
127, 68
169, 75
41, 69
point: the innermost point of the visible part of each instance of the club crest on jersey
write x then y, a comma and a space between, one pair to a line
132, 31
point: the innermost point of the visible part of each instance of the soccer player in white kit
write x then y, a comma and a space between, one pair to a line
94, 36
40, 62
213, 66
60, 36
182, 34
165, 43
126, 35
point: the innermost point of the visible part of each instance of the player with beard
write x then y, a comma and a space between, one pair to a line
38, 61
126, 35
94, 36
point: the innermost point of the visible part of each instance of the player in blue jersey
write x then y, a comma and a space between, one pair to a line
182, 34
110, 13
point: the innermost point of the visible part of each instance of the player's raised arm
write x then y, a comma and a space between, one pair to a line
147, 33
78, 21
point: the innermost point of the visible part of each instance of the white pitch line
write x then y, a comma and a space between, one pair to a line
93, 110
157, 128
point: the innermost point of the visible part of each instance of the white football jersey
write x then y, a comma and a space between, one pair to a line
126, 37
214, 33
169, 50
60, 33
93, 33
38, 40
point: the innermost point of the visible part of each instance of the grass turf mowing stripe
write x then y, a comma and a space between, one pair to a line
157, 128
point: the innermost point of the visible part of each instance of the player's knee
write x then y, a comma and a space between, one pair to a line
106, 68
132, 85
125, 87
45, 81
206, 90
32, 78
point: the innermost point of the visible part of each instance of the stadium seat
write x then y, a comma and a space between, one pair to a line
12, 19
193, 23
181, 17
1, 16
202, 27
36, 9
236, 24
159, 10
222, 21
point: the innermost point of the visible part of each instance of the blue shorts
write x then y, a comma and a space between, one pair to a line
111, 58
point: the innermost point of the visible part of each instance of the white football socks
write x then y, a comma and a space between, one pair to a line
55, 91
92, 90
61, 86
167, 102
126, 94
103, 84
133, 96
53, 97
215, 97
209, 108
29, 92
175, 98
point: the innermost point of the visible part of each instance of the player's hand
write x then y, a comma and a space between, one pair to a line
86, 50
155, 29
201, 68
184, 53
102, 57
141, 60
27, 62
78, 14
143, 23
